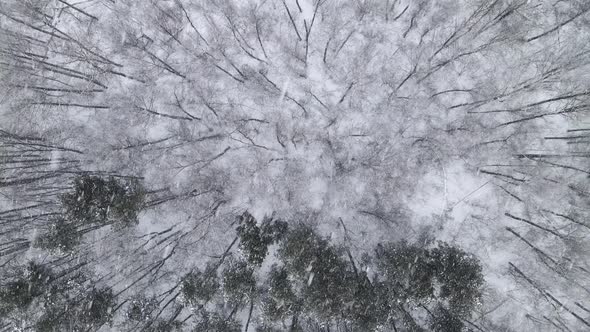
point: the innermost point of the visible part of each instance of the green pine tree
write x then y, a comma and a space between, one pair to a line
62, 236
238, 282
100, 201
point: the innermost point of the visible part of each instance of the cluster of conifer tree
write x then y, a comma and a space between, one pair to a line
312, 284
283, 276
69, 299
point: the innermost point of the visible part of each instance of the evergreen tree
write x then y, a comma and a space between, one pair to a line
280, 300
319, 270
97, 308
406, 271
19, 293
445, 321
62, 236
96, 200
255, 240
164, 325
460, 276
64, 303
141, 308
238, 282
314, 286
253, 243
85, 311
407, 279
52, 320
369, 308
274, 229
444, 277
213, 322
199, 287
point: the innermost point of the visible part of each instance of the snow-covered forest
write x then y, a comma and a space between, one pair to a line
294, 165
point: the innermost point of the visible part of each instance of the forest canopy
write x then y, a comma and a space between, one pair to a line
294, 165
